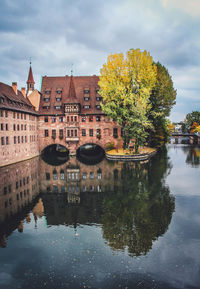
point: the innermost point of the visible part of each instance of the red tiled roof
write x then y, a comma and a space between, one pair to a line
72, 92
30, 76
14, 101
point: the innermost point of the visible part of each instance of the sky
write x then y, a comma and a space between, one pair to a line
60, 35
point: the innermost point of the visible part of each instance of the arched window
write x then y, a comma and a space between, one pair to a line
62, 175
55, 176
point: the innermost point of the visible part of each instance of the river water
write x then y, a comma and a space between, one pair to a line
109, 225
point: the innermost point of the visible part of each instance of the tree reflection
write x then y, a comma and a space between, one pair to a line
140, 210
193, 156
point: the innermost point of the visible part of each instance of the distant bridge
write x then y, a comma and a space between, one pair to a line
194, 138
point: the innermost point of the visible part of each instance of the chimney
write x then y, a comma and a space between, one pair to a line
14, 86
23, 91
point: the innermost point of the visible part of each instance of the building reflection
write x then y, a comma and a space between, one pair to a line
129, 200
19, 188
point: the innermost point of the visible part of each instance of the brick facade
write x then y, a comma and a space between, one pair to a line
69, 114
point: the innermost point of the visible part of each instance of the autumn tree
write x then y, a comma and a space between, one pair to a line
191, 118
126, 84
162, 99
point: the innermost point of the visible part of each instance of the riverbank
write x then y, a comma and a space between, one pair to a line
144, 153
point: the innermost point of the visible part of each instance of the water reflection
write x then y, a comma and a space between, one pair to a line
129, 200
19, 189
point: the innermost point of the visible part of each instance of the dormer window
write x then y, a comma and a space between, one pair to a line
57, 106
86, 106
86, 91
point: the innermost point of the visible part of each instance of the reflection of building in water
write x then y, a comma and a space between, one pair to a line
75, 178
18, 186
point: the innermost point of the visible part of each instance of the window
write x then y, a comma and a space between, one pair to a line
98, 118
91, 132
6, 113
86, 98
18, 139
21, 126
18, 127
86, 91
86, 106
98, 106
75, 132
2, 140
55, 176
24, 116
61, 133
13, 114
14, 127
60, 118
1, 112
47, 91
18, 115
46, 133
25, 127
46, 119
47, 176
53, 119
14, 139
83, 119
115, 132
46, 99
98, 98
59, 91
91, 175
84, 176
67, 118
62, 175
97, 90
57, 106
22, 139
68, 133
75, 118
25, 138
83, 132
58, 98
72, 133
72, 118
99, 174
90, 118
98, 132
1, 126
53, 133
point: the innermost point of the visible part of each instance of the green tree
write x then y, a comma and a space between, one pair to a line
162, 99
192, 118
126, 84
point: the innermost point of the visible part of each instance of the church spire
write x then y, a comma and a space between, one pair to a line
30, 82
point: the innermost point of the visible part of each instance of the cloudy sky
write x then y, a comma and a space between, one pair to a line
57, 33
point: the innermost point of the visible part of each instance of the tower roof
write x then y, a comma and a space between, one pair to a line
30, 76
72, 93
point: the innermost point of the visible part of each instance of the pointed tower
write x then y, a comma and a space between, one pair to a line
30, 82
72, 108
